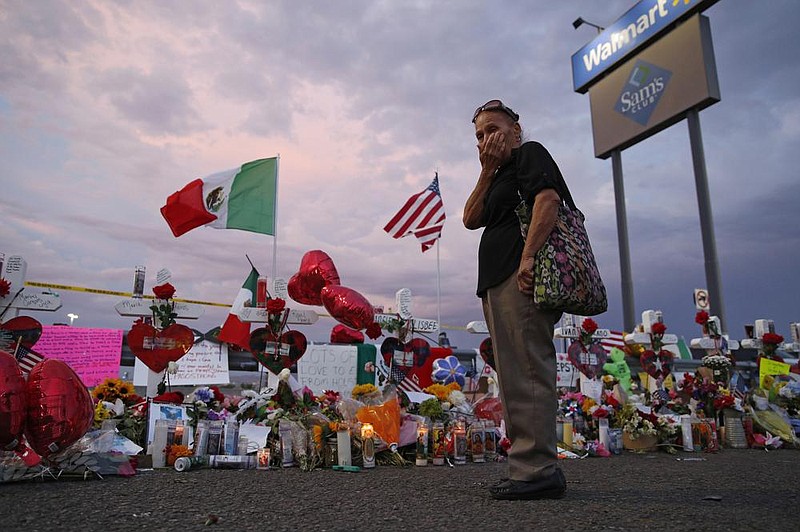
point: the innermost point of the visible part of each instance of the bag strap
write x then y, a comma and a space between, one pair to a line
564, 194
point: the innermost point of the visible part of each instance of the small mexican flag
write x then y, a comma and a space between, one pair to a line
243, 198
234, 330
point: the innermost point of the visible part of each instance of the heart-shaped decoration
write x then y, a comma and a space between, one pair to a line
487, 352
588, 360
657, 365
404, 359
23, 329
60, 409
276, 353
347, 306
316, 272
156, 349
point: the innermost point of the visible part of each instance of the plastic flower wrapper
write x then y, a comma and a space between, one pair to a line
459, 402
775, 422
385, 418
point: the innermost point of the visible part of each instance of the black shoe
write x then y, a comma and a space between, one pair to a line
552, 487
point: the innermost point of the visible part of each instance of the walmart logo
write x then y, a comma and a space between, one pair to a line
641, 93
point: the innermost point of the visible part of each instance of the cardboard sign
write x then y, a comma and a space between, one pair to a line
329, 367
567, 375
205, 363
93, 354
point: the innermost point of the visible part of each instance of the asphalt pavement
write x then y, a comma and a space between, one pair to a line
729, 490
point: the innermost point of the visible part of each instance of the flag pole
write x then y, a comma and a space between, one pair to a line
438, 290
275, 227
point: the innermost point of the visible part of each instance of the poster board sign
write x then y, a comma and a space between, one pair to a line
329, 367
94, 354
566, 374
206, 363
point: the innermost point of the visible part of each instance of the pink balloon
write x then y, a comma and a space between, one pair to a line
347, 306
12, 402
60, 408
316, 272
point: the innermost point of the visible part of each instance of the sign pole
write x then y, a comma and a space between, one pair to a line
706, 219
626, 275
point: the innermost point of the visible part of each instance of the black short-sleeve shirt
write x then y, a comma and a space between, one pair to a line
530, 170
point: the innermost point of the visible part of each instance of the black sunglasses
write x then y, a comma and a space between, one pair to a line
495, 105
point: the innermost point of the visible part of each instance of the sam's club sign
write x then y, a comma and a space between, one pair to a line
642, 91
639, 25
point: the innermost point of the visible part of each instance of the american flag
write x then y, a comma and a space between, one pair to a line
615, 339
27, 358
422, 215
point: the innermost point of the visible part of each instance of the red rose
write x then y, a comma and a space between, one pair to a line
169, 397
589, 326
5, 287
658, 328
374, 330
218, 395
164, 291
772, 338
701, 318
275, 306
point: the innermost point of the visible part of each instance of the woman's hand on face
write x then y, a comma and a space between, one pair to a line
525, 275
495, 151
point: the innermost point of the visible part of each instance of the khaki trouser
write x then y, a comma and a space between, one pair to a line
522, 340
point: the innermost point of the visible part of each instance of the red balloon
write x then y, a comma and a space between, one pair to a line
158, 348
345, 335
316, 272
347, 306
12, 402
60, 408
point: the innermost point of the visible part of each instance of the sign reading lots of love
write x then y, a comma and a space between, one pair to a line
94, 354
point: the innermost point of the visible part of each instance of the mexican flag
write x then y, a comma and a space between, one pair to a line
234, 330
243, 198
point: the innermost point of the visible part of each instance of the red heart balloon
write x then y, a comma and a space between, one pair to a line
276, 355
158, 348
347, 306
59, 407
588, 360
12, 402
316, 272
657, 365
489, 408
345, 335
23, 328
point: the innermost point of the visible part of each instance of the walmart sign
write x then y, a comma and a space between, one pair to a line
641, 24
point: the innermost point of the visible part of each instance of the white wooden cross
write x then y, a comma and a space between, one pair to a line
139, 307
403, 301
712, 345
14, 270
278, 288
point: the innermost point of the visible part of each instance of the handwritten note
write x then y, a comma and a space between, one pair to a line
205, 363
93, 354
329, 367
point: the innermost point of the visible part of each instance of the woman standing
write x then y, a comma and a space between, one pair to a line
522, 335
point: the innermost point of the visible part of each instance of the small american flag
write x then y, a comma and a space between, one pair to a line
422, 216
27, 358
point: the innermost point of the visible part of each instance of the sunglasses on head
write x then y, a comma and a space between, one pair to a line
495, 105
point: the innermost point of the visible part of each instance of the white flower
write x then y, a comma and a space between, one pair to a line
457, 398
172, 368
284, 374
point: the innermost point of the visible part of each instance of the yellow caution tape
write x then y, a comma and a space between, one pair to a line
115, 293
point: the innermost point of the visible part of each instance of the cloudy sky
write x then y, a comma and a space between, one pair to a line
106, 108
